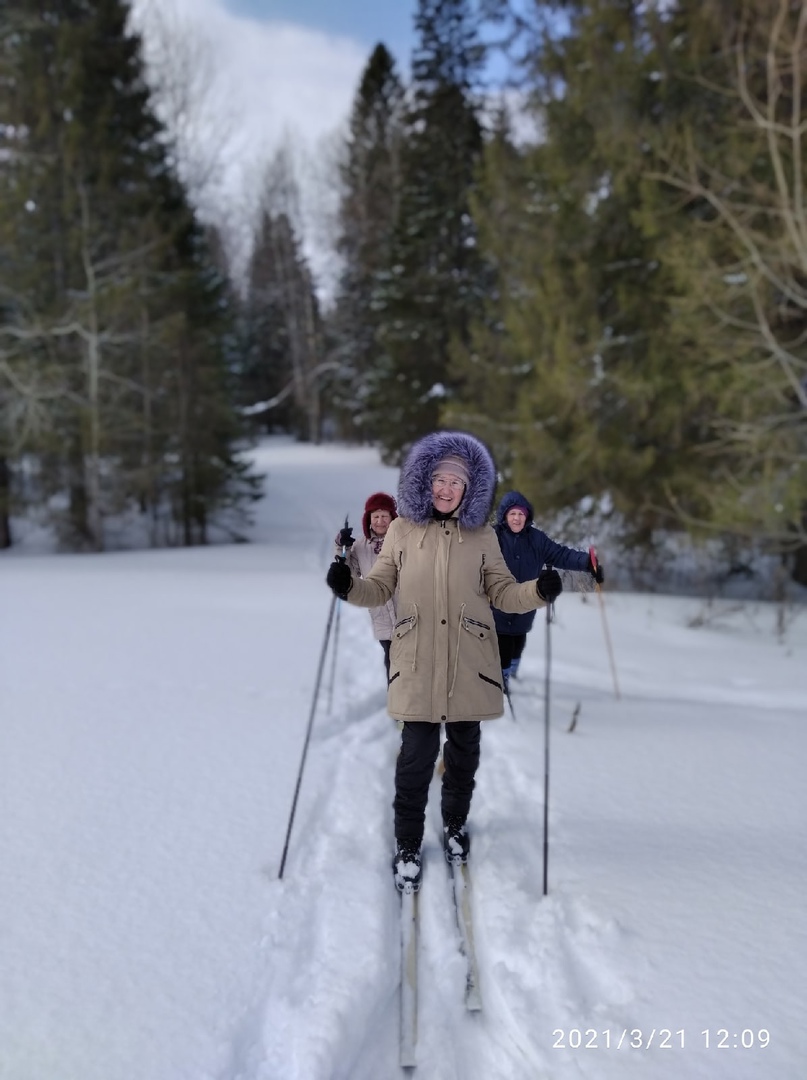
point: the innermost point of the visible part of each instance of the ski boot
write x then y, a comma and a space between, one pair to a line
456, 841
406, 866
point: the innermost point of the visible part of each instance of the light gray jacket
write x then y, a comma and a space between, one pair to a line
361, 558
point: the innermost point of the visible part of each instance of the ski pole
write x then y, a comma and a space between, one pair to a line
333, 655
308, 731
546, 749
336, 636
592, 554
307, 735
510, 702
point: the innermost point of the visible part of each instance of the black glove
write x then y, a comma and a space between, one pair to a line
596, 572
549, 585
339, 578
346, 538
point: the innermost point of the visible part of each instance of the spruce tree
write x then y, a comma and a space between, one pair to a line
278, 376
113, 289
487, 370
370, 180
738, 163
431, 284
610, 393
648, 274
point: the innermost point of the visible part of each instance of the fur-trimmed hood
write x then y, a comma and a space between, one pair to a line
415, 483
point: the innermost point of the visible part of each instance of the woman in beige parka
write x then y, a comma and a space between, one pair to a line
444, 561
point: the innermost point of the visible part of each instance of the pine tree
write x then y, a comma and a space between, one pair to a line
426, 293
112, 288
278, 376
739, 163
601, 402
648, 273
370, 181
488, 371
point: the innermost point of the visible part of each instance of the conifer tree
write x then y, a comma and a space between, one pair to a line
278, 376
112, 288
370, 179
614, 402
739, 164
648, 268
427, 291
488, 371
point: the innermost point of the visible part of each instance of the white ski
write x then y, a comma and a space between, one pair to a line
409, 979
461, 887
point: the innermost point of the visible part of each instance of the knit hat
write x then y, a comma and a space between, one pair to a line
454, 466
379, 501
517, 506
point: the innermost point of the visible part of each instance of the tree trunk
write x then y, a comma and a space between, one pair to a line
799, 562
5, 504
81, 533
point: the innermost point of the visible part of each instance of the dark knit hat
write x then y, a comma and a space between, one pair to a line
379, 501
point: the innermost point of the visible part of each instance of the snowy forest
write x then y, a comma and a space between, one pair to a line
596, 261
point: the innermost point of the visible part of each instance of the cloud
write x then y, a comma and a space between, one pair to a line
275, 74
264, 81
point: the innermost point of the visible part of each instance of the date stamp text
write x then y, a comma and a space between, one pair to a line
659, 1038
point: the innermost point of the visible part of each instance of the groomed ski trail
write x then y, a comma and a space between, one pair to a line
345, 982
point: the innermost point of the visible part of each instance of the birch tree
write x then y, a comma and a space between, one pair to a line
746, 181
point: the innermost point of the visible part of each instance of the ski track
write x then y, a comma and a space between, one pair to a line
576, 969
575, 955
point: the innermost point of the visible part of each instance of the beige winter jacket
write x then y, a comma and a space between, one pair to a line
444, 659
361, 558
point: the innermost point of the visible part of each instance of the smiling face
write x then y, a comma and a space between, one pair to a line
516, 519
447, 492
380, 521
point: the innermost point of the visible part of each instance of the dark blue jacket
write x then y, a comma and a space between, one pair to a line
526, 553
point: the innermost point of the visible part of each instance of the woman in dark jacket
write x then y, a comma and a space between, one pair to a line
526, 551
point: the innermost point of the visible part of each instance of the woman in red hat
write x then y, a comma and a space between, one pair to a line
380, 511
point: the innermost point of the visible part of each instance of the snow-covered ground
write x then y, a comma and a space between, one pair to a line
153, 708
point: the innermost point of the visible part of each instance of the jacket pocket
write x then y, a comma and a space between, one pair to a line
404, 643
403, 626
480, 651
479, 629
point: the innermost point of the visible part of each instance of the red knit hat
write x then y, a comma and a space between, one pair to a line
379, 501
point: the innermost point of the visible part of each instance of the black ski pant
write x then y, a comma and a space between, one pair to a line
511, 646
420, 743
385, 645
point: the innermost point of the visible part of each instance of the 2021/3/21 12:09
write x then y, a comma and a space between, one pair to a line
661, 1038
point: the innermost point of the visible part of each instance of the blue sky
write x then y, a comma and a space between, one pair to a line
366, 21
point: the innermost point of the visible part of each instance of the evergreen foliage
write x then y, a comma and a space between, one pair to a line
649, 254
425, 295
617, 305
370, 179
115, 322
281, 369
